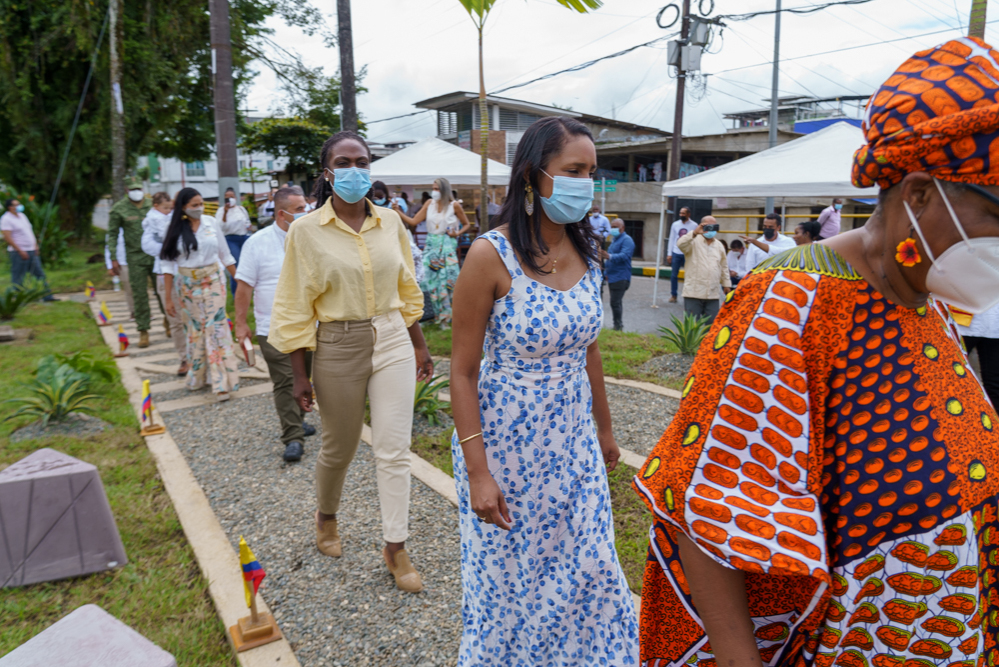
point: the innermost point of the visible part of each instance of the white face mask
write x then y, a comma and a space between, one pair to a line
231, 201
435, 195
966, 275
136, 195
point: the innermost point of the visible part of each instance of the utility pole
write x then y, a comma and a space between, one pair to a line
224, 94
348, 88
774, 102
976, 22
676, 142
117, 108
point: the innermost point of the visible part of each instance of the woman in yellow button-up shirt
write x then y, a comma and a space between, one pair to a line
348, 266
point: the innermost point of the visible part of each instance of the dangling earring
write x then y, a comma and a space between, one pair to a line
906, 252
529, 202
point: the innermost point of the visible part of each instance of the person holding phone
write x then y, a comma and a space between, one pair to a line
706, 270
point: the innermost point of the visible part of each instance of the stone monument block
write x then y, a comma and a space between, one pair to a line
88, 637
55, 521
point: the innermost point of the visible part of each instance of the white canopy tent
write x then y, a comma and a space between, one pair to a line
817, 165
432, 158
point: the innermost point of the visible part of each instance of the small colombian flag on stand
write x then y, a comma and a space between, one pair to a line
104, 315
147, 404
253, 574
91, 290
122, 342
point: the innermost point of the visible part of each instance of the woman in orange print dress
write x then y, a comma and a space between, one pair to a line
828, 493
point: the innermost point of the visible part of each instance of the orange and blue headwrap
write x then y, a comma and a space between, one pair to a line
938, 113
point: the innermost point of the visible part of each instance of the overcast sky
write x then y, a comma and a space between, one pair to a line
417, 49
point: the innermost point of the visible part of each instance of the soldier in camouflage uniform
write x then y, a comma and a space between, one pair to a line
127, 214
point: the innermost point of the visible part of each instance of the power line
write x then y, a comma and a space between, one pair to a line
791, 10
405, 115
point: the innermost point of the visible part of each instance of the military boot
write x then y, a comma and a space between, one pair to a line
143, 339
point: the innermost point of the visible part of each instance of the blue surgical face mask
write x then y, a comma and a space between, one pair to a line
615, 232
20, 208
380, 202
351, 184
838, 207
571, 199
295, 216
710, 235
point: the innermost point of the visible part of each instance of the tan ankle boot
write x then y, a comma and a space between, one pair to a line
143, 339
406, 577
328, 539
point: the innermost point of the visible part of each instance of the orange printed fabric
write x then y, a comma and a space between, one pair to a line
939, 113
837, 449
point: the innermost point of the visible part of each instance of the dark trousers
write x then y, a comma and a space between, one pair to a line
279, 367
988, 359
701, 307
676, 263
140, 272
235, 244
617, 290
22, 267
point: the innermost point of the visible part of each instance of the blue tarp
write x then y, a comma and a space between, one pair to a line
809, 126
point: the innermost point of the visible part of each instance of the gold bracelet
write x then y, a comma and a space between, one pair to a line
471, 437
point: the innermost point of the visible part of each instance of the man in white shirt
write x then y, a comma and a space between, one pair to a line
707, 275
257, 277
22, 247
772, 243
830, 219
235, 223
121, 270
675, 256
599, 222
154, 229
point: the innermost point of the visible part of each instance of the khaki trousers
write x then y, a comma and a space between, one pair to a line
374, 359
176, 324
279, 368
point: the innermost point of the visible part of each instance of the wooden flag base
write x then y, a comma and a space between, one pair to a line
120, 354
246, 634
155, 429
106, 324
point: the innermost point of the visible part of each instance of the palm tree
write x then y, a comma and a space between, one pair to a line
976, 27
479, 10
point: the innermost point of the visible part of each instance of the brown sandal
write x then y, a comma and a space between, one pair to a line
328, 539
406, 577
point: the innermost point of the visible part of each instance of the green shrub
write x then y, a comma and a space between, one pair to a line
686, 335
16, 297
55, 399
53, 242
426, 402
89, 366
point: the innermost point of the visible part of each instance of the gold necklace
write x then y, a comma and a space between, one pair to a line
555, 261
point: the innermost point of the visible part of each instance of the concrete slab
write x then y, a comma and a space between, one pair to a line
639, 316
88, 637
55, 521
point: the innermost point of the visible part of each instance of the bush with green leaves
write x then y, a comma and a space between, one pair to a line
53, 241
687, 334
16, 297
88, 365
426, 402
57, 397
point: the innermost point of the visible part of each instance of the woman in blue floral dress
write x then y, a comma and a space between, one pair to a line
542, 583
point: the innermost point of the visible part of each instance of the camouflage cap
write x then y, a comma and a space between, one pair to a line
133, 183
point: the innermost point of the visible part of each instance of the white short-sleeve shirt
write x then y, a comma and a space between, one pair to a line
260, 267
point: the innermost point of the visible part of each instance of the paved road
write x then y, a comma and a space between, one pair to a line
639, 315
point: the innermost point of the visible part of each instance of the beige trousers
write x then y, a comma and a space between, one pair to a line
374, 359
176, 324
126, 285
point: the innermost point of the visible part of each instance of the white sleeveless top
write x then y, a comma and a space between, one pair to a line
439, 223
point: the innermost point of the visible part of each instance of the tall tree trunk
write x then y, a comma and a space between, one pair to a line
117, 110
348, 88
224, 93
483, 143
976, 22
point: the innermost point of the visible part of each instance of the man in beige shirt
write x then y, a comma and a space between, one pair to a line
706, 268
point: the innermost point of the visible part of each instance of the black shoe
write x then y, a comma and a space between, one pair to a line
309, 429
50, 299
293, 451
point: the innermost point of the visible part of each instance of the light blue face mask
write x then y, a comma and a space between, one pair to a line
571, 199
710, 235
20, 208
615, 232
380, 202
351, 184
295, 216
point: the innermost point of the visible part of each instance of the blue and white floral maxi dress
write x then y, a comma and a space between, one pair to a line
550, 592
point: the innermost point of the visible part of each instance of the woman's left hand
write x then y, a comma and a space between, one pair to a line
608, 446
424, 364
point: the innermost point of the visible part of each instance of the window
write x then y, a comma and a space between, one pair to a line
242, 164
270, 165
194, 169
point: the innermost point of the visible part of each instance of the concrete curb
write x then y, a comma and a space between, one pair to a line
216, 558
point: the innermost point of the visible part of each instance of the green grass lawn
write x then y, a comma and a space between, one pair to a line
160, 592
74, 274
631, 517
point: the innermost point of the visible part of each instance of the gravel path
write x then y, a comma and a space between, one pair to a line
338, 612
639, 417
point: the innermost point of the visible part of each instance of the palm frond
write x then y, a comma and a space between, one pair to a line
686, 335
581, 6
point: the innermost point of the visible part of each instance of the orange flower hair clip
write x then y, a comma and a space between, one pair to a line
907, 254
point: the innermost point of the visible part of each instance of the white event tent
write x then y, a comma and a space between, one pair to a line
432, 158
817, 165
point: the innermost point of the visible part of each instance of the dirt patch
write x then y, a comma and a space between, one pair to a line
75, 426
670, 366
